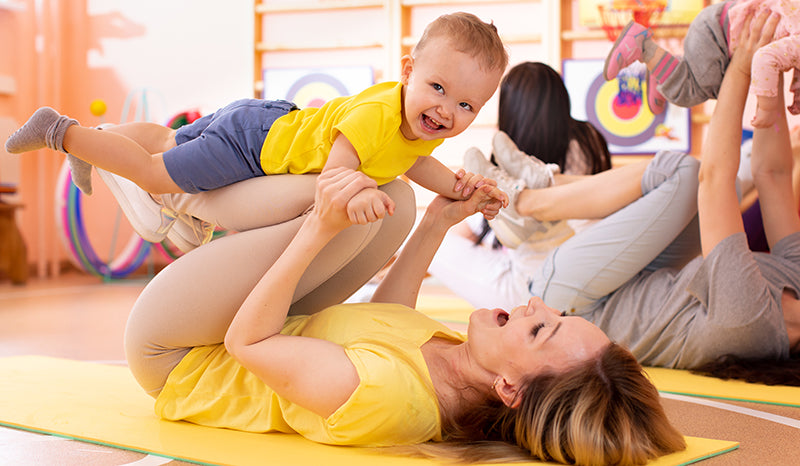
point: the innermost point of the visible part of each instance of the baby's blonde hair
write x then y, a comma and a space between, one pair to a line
466, 33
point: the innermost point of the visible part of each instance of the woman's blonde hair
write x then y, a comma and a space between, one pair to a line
602, 412
468, 34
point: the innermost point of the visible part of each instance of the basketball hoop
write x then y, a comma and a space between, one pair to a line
619, 12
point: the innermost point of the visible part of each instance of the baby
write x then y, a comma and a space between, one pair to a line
385, 131
713, 35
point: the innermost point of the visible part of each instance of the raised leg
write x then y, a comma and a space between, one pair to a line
598, 260
192, 301
121, 155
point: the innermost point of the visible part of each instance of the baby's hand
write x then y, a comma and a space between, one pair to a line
468, 182
768, 110
369, 205
497, 200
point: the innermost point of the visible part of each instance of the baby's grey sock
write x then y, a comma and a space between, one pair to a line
45, 128
81, 174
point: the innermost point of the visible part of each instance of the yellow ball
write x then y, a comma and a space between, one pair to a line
98, 107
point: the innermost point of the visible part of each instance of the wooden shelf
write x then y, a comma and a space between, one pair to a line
318, 5
599, 34
458, 2
295, 47
7, 188
509, 39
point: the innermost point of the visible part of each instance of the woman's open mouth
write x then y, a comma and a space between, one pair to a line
501, 317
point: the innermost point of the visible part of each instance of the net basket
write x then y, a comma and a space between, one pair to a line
616, 15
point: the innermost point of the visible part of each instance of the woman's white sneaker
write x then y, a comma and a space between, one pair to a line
534, 172
146, 216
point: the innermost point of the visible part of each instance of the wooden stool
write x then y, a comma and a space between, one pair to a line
13, 253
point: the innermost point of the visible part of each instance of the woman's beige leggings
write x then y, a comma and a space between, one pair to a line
193, 300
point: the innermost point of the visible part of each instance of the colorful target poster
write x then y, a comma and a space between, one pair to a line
312, 87
618, 108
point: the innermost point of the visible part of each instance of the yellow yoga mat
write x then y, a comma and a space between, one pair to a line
103, 404
454, 309
686, 383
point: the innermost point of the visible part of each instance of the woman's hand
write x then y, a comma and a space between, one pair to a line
757, 32
468, 182
401, 284
448, 212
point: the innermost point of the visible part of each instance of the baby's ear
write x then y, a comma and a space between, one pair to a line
406, 67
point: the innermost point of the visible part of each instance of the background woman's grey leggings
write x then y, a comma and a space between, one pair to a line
193, 300
657, 230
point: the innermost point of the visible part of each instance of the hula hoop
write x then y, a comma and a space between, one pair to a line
69, 216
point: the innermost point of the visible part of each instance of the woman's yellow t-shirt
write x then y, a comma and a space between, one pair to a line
300, 141
394, 403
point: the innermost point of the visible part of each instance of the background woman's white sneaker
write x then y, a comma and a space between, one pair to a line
510, 228
189, 232
534, 172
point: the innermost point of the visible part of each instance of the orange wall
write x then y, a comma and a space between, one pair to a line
66, 54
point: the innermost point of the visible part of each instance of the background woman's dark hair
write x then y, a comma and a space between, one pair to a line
766, 371
535, 112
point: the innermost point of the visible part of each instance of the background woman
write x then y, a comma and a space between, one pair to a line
637, 274
534, 111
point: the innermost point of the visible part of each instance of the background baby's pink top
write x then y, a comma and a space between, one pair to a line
788, 9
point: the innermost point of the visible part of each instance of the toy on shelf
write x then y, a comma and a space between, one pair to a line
616, 14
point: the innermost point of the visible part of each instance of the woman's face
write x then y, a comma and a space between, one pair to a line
531, 340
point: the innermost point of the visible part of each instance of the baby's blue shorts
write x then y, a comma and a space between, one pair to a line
224, 147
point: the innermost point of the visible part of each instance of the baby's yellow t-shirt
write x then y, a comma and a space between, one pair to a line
300, 141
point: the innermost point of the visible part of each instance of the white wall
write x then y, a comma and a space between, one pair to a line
191, 53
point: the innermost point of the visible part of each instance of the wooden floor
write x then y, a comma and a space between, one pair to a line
76, 317
80, 317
